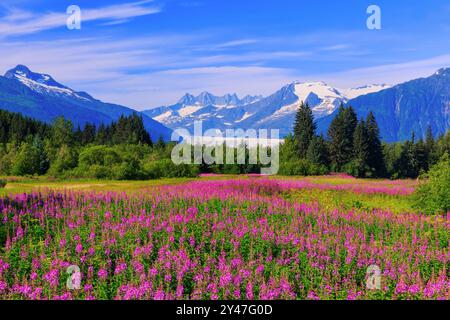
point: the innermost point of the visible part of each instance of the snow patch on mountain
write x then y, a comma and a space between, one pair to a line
360, 91
275, 111
41, 83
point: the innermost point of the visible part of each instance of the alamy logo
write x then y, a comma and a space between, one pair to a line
237, 146
74, 20
374, 20
373, 274
74, 279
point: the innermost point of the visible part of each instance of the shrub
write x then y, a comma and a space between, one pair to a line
357, 169
301, 168
2, 183
433, 195
165, 168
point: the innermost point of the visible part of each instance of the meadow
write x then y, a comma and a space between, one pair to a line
220, 237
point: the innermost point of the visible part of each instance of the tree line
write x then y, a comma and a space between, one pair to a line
122, 149
354, 146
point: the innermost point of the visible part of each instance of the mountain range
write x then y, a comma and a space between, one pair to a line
399, 110
407, 107
41, 97
276, 111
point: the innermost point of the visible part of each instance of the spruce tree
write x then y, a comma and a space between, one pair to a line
350, 123
430, 147
341, 132
102, 135
160, 144
318, 151
42, 162
421, 156
361, 149
375, 157
63, 133
88, 134
304, 129
407, 165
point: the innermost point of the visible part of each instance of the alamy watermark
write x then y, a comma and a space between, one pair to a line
74, 279
374, 20
236, 146
73, 21
373, 275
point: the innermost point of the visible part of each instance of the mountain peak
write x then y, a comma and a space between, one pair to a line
23, 73
20, 68
309, 83
205, 98
443, 71
187, 99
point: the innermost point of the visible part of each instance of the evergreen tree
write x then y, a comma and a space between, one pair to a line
25, 161
304, 129
77, 135
341, 132
375, 158
430, 147
407, 165
350, 122
361, 149
101, 137
63, 133
42, 162
318, 151
160, 144
421, 156
88, 134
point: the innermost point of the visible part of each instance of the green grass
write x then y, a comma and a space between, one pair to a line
25, 186
330, 199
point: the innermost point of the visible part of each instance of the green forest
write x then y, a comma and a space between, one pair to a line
123, 150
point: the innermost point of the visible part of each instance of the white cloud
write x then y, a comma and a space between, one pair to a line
166, 87
236, 43
144, 72
19, 22
388, 73
147, 71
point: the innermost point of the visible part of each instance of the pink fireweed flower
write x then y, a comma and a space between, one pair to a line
120, 268
249, 291
401, 287
414, 289
159, 295
225, 279
313, 296
3, 286
52, 277
179, 291
79, 248
138, 267
102, 274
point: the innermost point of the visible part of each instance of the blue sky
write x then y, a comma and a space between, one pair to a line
148, 53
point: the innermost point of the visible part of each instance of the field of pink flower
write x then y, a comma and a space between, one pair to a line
218, 239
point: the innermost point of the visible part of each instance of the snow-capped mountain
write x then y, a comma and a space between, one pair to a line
41, 97
43, 83
212, 109
274, 111
408, 107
